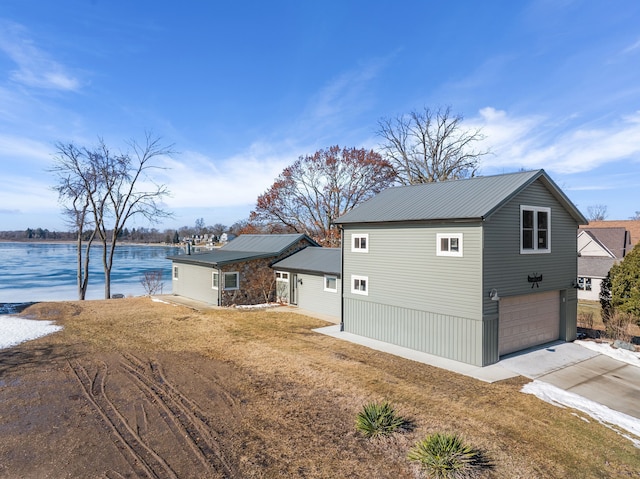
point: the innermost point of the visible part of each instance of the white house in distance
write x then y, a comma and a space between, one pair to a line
600, 245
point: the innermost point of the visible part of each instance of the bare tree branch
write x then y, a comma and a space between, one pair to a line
429, 146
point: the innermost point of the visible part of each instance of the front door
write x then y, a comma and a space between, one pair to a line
294, 289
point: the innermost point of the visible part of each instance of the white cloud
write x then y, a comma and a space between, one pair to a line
35, 67
15, 147
557, 145
196, 180
632, 48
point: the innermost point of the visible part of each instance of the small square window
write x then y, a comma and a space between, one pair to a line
360, 243
360, 285
231, 281
449, 244
331, 284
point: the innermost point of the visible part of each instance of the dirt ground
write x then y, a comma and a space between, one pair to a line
135, 389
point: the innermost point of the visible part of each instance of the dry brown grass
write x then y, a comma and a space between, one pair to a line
303, 391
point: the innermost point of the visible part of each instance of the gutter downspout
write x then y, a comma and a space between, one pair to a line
220, 286
341, 278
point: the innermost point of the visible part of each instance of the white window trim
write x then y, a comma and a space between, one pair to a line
280, 276
354, 236
535, 249
441, 252
175, 273
213, 283
327, 289
355, 277
224, 285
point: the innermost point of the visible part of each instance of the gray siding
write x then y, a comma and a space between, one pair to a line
439, 334
417, 299
194, 282
313, 297
506, 269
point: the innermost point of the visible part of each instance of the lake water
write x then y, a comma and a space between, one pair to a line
47, 272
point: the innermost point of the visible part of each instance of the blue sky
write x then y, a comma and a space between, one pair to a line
244, 88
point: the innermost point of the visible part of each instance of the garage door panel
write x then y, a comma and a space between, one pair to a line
528, 320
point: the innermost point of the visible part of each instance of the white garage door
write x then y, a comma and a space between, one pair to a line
528, 320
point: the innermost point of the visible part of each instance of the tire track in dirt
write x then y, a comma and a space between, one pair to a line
143, 460
182, 415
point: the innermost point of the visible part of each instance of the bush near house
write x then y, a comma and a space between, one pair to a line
625, 284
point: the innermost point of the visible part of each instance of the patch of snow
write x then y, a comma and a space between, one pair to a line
629, 357
158, 300
257, 306
15, 330
612, 419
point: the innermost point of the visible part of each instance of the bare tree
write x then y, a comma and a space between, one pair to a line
76, 183
152, 282
597, 212
116, 187
428, 146
636, 216
308, 196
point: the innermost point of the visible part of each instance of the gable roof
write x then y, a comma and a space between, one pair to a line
244, 248
632, 226
468, 199
312, 260
265, 243
613, 240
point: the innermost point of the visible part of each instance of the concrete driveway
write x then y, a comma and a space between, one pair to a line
573, 368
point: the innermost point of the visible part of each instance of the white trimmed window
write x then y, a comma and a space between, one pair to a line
360, 243
535, 229
359, 284
215, 280
282, 276
331, 284
175, 272
449, 244
231, 281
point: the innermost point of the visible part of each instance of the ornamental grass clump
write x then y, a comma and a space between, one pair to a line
445, 456
378, 419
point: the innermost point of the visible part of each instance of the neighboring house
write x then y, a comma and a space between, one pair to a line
598, 250
468, 269
310, 279
237, 273
631, 226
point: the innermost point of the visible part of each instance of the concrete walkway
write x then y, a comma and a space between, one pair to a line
567, 366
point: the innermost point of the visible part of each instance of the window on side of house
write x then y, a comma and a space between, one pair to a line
215, 280
175, 272
282, 276
449, 244
584, 284
359, 284
331, 284
535, 229
231, 281
360, 243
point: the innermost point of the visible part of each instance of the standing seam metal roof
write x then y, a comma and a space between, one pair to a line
473, 198
312, 260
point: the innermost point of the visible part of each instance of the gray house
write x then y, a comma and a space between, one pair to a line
310, 279
237, 273
468, 269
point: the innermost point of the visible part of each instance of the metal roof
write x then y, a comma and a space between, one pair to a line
274, 244
312, 260
218, 257
474, 198
244, 248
